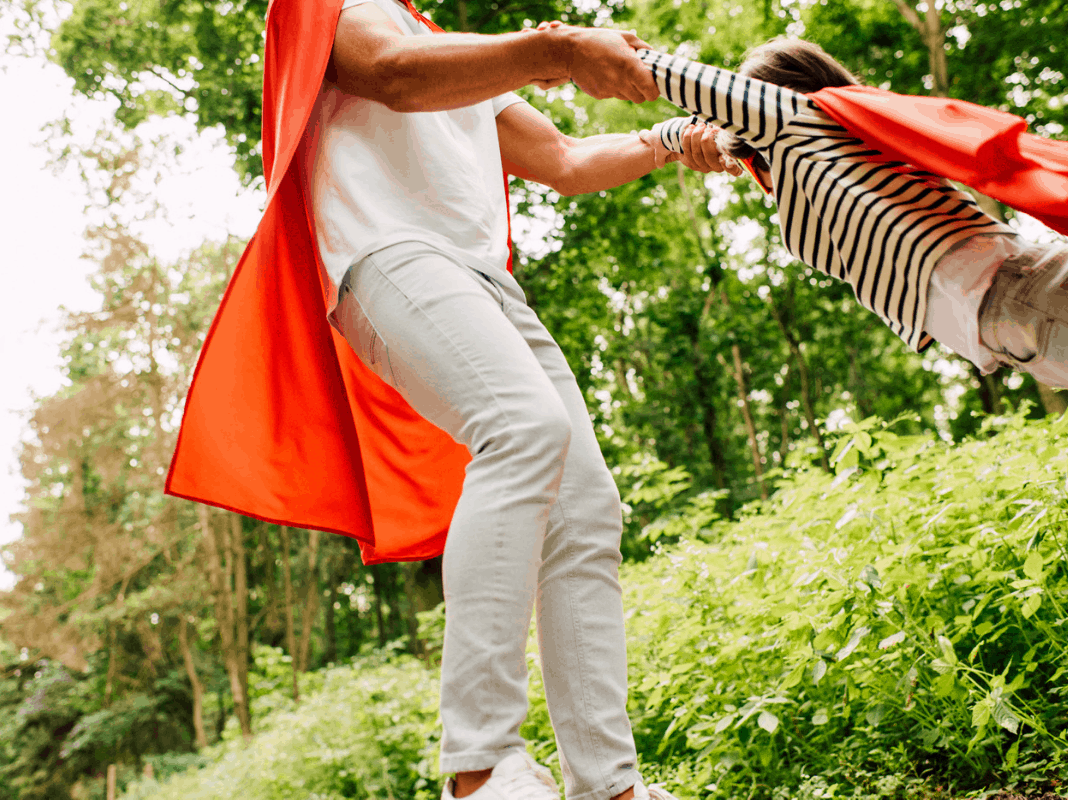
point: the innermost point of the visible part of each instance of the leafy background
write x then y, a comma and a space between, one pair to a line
821, 603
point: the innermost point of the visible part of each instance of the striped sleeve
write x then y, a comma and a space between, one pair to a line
670, 131
754, 110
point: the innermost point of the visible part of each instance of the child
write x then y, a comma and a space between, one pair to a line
918, 252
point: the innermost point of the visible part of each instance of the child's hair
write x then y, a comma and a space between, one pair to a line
793, 64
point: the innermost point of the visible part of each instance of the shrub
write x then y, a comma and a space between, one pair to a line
370, 731
903, 616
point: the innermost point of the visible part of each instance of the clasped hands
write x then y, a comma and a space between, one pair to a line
603, 64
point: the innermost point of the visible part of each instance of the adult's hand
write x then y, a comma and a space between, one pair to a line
603, 63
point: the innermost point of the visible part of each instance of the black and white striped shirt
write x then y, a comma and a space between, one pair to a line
880, 225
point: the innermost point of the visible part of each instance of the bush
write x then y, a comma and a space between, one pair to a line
905, 616
370, 731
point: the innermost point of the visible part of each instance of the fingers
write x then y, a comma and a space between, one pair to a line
701, 153
637, 42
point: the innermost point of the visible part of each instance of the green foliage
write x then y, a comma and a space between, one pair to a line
873, 634
903, 616
369, 731
270, 681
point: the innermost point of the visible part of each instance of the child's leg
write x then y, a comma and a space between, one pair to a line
1002, 300
956, 290
1024, 316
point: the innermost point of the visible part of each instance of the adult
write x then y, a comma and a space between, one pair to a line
384, 144
859, 176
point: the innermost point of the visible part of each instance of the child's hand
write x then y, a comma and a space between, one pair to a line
700, 152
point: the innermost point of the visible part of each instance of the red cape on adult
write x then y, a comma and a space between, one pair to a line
282, 422
980, 147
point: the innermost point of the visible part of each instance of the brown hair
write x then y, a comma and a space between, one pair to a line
793, 64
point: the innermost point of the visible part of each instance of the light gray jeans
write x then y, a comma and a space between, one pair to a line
538, 521
1024, 316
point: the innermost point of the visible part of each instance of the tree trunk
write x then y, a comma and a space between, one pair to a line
411, 583
376, 578
702, 380
784, 435
113, 664
311, 600
858, 387
330, 622
747, 415
291, 638
272, 618
194, 681
224, 614
1054, 402
989, 391
933, 34
241, 650
802, 372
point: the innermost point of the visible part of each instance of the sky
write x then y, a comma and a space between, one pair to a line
42, 219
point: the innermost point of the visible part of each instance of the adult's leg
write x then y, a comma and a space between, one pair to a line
580, 610
579, 601
436, 331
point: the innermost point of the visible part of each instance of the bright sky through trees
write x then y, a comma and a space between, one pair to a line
41, 224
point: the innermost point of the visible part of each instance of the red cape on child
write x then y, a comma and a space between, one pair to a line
282, 422
980, 147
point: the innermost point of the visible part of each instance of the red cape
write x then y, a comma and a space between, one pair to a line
980, 147
282, 422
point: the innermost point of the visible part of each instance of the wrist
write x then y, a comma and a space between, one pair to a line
657, 151
561, 41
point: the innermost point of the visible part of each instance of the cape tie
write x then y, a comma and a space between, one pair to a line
421, 18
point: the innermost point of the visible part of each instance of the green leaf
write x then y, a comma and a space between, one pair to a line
1033, 566
795, 676
949, 654
1012, 755
851, 645
725, 722
768, 721
944, 684
875, 714
1004, 716
1031, 605
891, 640
818, 671
821, 717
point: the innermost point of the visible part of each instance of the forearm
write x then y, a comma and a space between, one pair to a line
453, 70
604, 162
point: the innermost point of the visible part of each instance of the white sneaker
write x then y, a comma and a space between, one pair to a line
516, 777
654, 792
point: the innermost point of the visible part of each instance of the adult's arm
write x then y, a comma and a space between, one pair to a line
532, 147
373, 58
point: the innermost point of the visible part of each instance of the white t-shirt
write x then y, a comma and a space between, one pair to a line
379, 177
